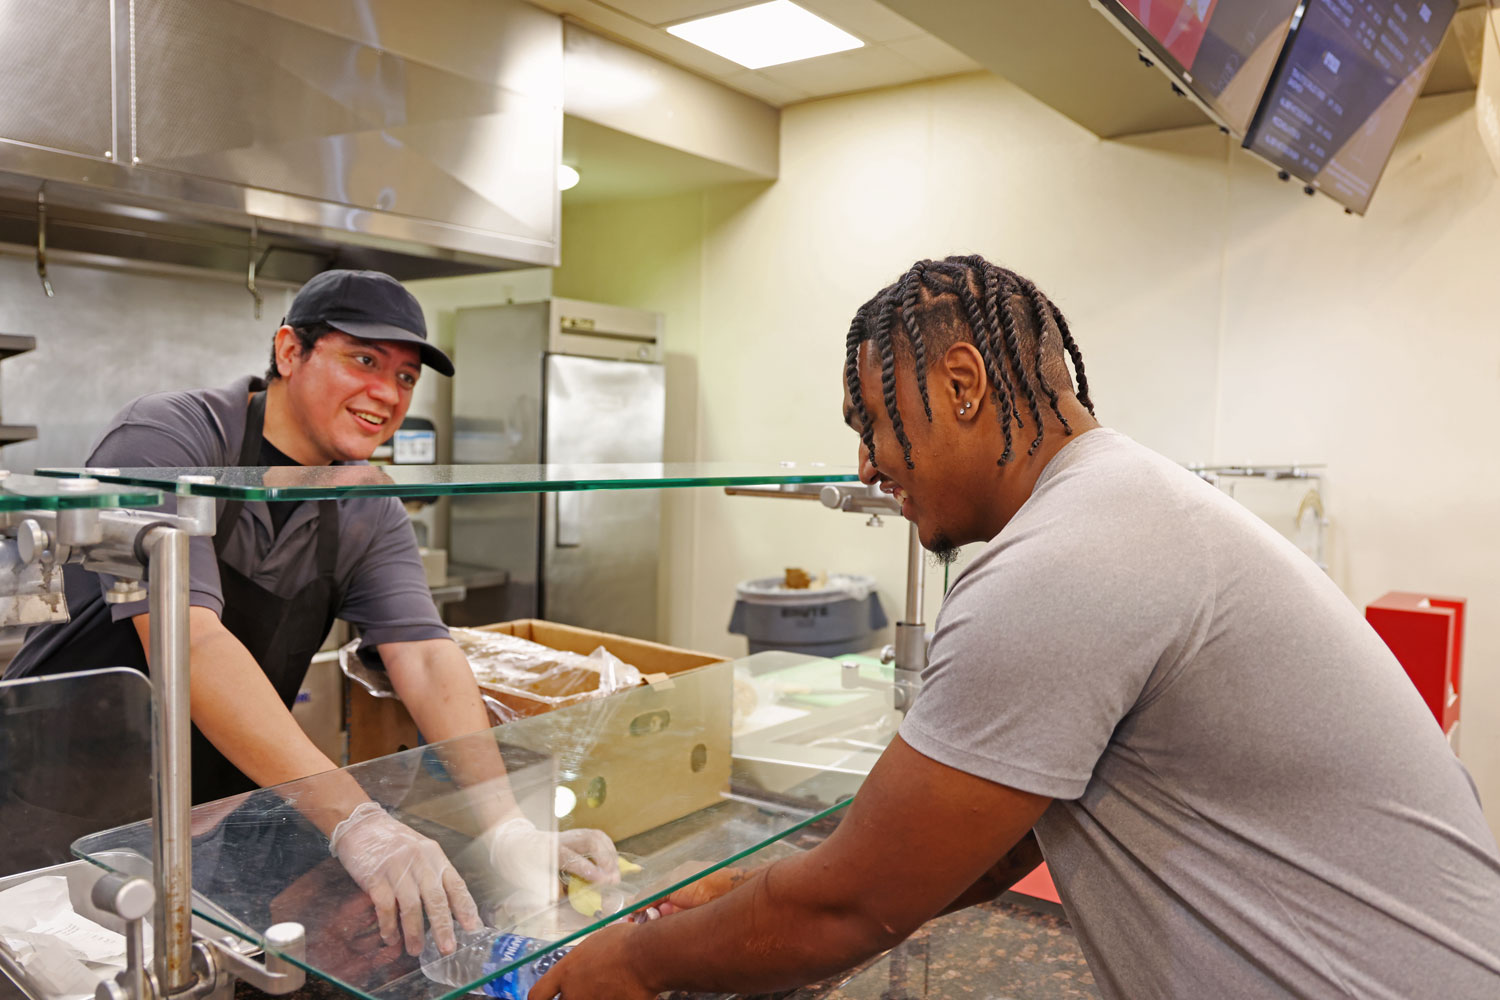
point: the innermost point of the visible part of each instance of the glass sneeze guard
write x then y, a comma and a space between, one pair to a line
75, 755
414, 481
653, 767
18, 492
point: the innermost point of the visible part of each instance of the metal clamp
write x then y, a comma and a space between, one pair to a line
31, 541
286, 947
858, 498
195, 514
850, 679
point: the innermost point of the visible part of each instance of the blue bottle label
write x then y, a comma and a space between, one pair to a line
515, 984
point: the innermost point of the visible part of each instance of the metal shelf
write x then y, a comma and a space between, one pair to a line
12, 344
16, 433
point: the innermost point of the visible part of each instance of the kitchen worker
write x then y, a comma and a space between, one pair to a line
266, 588
1236, 788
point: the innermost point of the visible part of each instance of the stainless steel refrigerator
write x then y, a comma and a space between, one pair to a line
560, 381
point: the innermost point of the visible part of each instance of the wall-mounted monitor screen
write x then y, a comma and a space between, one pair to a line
1221, 51
1343, 88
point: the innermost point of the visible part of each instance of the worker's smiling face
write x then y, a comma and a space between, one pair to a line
347, 396
931, 492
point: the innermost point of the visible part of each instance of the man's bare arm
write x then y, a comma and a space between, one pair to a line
433, 679
236, 707
1018, 862
917, 837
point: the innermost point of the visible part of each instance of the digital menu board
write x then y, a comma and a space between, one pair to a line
1223, 51
1343, 88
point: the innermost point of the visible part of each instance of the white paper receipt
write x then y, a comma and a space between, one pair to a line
67, 954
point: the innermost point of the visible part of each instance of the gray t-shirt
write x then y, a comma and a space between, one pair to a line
378, 571
1251, 800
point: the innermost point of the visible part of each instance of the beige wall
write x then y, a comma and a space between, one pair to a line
1374, 345
1224, 317
607, 261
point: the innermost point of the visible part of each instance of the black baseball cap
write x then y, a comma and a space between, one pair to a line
369, 305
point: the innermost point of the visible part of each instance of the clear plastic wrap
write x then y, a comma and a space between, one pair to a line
516, 676
516, 669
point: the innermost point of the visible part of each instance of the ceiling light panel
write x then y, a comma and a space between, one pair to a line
767, 34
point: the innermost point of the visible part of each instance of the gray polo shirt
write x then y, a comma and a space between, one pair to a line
1250, 798
378, 572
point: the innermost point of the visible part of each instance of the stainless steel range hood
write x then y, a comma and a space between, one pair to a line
422, 139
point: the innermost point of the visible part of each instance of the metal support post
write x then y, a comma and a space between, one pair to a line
916, 578
171, 755
911, 632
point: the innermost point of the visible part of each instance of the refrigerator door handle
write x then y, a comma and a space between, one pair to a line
568, 520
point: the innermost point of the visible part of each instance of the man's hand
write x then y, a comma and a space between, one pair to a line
531, 861
707, 889
600, 968
399, 869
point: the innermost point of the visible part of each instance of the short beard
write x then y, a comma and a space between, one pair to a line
943, 550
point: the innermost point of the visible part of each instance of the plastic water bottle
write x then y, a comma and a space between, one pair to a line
480, 953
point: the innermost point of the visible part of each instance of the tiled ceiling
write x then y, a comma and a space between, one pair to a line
895, 51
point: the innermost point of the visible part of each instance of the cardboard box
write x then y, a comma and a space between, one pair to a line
319, 707
631, 761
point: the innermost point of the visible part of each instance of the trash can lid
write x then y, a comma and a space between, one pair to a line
773, 590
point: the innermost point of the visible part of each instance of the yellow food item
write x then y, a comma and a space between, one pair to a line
585, 898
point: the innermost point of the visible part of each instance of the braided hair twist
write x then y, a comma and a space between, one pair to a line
993, 303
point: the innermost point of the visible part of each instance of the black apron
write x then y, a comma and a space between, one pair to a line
281, 633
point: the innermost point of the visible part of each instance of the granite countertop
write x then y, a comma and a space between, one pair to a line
1012, 949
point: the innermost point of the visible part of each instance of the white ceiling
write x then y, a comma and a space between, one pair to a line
895, 51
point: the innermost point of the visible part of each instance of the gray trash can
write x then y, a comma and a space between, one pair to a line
842, 617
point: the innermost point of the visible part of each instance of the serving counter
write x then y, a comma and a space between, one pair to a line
256, 867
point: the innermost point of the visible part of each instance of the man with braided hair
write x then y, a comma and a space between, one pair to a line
1237, 790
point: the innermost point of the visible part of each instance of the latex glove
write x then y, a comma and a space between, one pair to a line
403, 871
532, 861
